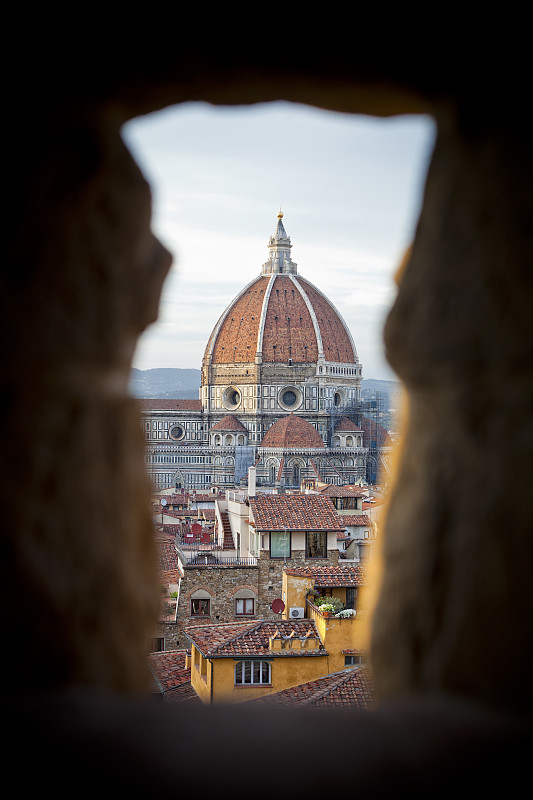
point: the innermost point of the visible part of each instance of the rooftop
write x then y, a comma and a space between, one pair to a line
329, 575
356, 519
297, 512
351, 688
171, 677
343, 491
168, 559
252, 639
161, 404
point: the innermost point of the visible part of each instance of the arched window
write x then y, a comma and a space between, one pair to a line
200, 603
296, 474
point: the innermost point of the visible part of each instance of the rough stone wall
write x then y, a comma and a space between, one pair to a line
80, 279
271, 577
221, 582
458, 555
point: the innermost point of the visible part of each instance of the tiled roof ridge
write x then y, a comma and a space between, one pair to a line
203, 626
364, 519
338, 680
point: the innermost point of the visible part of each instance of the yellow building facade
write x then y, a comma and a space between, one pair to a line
234, 663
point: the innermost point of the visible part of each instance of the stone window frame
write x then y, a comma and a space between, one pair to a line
298, 394
245, 602
200, 602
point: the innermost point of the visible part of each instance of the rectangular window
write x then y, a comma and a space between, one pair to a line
280, 544
351, 597
252, 672
316, 544
200, 607
244, 606
352, 661
157, 644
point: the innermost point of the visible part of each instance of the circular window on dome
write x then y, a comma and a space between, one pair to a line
177, 432
231, 398
290, 397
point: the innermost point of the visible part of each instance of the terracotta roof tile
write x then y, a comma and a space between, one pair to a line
351, 688
346, 424
229, 423
297, 512
288, 333
373, 431
356, 519
236, 340
289, 329
161, 404
292, 431
343, 491
168, 558
329, 575
252, 639
335, 339
171, 676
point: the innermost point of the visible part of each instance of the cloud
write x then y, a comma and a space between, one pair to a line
350, 188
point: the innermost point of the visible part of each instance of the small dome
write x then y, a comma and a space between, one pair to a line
346, 424
229, 423
290, 432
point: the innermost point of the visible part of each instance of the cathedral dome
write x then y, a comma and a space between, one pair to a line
280, 318
292, 432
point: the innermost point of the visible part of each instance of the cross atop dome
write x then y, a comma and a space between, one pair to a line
279, 258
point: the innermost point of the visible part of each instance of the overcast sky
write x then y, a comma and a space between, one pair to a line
350, 188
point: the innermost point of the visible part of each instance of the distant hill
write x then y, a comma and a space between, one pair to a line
185, 383
370, 387
165, 383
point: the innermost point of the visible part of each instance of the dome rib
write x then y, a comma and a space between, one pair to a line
336, 338
280, 317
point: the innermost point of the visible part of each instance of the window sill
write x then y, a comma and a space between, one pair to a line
252, 685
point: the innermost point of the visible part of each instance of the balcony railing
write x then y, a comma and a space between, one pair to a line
213, 559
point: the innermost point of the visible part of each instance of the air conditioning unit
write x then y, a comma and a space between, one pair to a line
297, 613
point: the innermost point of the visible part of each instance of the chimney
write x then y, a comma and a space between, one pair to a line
251, 481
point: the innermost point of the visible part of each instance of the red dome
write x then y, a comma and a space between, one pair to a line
290, 432
280, 318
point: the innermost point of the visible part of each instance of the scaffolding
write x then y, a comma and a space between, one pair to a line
372, 410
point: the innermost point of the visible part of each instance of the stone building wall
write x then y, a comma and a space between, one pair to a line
221, 583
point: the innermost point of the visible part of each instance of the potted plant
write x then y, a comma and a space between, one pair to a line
334, 604
346, 613
327, 609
